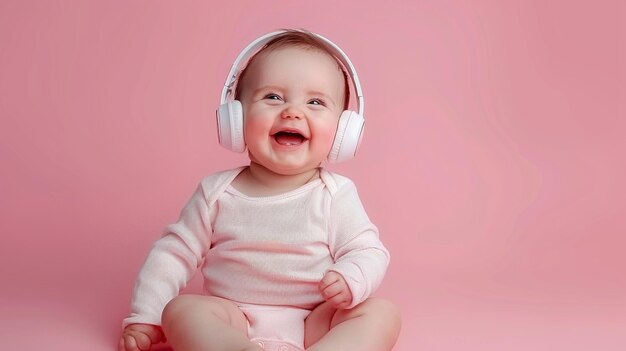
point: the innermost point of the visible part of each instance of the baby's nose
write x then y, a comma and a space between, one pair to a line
292, 112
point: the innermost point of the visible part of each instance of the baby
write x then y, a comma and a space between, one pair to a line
288, 254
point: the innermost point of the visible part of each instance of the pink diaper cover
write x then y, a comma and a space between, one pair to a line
276, 328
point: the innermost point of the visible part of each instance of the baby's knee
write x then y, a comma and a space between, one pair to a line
183, 304
383, 310
199, 307
175, 308
384, 305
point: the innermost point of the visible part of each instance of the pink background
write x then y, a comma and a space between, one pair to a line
493, 162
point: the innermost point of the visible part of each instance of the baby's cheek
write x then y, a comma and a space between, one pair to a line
326, 136
254, 129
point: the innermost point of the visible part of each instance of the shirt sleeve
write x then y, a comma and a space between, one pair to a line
172, 261
359, 255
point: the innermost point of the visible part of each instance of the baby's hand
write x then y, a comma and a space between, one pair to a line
334, 289
140, 337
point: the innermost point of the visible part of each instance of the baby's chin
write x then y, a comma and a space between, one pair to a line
284, 170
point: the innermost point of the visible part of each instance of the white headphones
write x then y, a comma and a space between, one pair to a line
230, 113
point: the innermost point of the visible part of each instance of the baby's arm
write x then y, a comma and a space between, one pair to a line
360, 257
172, 262
140, 337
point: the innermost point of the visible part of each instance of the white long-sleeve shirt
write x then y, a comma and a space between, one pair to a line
263, 250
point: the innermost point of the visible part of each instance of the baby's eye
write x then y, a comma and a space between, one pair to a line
272, 96
317, 102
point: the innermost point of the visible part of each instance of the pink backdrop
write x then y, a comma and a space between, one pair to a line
493, 161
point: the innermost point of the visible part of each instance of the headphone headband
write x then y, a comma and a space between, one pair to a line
258, 43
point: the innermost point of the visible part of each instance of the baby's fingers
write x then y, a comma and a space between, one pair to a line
332, 290
143, 341
329, 279
128, 343
340, 301
135, 341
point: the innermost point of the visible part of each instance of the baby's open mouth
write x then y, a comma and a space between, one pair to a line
289, 138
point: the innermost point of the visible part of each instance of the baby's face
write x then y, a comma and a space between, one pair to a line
292, 100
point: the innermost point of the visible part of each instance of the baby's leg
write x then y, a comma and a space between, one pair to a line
205, 323
373, 325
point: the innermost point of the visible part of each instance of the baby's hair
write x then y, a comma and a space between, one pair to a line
297, 38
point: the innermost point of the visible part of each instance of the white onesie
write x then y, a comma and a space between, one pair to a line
268, 251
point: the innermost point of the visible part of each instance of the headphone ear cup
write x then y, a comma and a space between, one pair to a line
230, 126
348, 137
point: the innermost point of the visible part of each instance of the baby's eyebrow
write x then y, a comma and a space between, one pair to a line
265, 88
